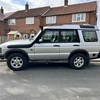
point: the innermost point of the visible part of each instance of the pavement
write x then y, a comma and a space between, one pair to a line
2, 60
92, 60
95, 60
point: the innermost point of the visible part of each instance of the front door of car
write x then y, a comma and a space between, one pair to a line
47, 46
69, 42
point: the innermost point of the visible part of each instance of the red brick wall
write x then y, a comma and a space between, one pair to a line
3, 26
22, 27
91, 18
60, 20
67, 19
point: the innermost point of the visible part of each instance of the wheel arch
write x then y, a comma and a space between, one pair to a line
16, 51
81, 51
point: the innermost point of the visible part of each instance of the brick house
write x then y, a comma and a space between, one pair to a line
1, 22
84, 13
26, 21
2, 26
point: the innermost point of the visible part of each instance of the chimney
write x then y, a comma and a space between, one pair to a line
26, 6
65, 2
2, 10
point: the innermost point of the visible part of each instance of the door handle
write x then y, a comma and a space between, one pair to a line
76, 45
56, 45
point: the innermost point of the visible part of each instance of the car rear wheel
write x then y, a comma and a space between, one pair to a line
78, 61
16, 61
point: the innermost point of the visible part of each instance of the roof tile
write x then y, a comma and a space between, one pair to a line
76, 8
29, 13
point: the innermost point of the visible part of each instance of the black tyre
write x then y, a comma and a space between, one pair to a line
78, 61
16, 61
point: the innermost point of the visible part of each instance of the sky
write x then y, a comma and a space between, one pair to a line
13, 5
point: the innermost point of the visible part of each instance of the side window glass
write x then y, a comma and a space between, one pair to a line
69, 36
89, 36
50, 36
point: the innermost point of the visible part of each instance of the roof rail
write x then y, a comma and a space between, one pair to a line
87, 26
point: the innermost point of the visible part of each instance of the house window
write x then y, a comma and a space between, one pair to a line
30, 20
51, 20
11, 21
79, 17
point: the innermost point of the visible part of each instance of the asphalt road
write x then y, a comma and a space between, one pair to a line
50, 82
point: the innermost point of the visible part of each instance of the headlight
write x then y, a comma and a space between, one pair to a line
0, 50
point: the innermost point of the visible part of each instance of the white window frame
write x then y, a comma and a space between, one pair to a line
51, 20
12, 22
29, 20
80, 17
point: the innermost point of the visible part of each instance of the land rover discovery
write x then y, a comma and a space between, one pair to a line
76, 44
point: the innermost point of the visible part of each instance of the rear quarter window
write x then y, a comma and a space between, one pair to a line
90, 36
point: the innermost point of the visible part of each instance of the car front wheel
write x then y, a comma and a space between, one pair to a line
16, 61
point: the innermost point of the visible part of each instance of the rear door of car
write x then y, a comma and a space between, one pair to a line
69, 41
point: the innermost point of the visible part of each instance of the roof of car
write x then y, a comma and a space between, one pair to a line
72, 26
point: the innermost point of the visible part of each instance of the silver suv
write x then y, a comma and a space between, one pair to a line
76, 44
